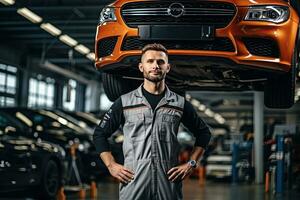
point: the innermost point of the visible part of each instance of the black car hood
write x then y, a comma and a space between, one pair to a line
25, 144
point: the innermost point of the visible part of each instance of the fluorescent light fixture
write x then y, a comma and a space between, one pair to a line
219, 119
202, 107
7, 2
195, 102
209, 112
91, 56
68, 40
31, 16
51, 29
82, 49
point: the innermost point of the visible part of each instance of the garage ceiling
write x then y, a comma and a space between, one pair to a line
78, 19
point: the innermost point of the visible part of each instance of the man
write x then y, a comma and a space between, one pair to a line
150, 117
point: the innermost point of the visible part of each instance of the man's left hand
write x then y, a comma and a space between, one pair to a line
180, 172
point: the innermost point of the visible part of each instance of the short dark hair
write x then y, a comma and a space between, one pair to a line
154, 47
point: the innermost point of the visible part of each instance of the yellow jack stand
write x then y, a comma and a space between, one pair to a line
82, 193
267, 180
201, 176
93, 191
61, 194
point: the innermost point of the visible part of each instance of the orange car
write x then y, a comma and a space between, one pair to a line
212, 44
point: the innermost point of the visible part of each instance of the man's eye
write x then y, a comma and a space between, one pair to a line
160, 62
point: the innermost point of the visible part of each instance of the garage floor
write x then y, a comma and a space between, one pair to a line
108, 190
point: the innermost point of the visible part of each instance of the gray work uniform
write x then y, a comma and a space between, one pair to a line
150, 146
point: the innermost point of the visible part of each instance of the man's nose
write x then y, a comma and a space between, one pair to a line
155, 64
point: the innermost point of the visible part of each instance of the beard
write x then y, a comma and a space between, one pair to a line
155, 79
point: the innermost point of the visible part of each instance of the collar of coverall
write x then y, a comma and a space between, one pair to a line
169, 96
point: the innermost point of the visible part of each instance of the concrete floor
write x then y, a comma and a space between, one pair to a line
108, 190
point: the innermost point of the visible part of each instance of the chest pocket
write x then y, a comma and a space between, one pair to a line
168, 125
134, 127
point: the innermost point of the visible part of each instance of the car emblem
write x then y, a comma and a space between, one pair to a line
176, 9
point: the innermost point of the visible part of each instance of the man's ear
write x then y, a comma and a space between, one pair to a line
141, 67
168, 67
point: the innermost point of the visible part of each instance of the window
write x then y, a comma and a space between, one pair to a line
69, 95
8, 85
41, 92
105, 103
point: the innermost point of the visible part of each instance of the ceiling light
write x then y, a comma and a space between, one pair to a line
202, 107
195, 102
219, 118
209, 112
91, 56
51, 29
68, 40
7, 2
28, 14
82, 49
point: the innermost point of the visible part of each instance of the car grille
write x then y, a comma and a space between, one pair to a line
218, 44
106, 46
262, 47
218, 14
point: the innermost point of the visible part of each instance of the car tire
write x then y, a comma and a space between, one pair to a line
280, 90
50, 181
114, 85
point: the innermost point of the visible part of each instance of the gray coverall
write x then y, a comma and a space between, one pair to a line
150, 146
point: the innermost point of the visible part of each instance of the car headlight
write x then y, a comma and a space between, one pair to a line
276, 14
107, 15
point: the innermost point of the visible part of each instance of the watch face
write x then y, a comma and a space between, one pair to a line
192, 163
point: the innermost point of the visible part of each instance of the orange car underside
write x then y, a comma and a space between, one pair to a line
283, 35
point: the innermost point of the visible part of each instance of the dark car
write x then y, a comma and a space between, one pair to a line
86, 119
48, 126
26, 164
89, 121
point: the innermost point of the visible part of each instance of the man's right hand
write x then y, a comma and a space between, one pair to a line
120, 172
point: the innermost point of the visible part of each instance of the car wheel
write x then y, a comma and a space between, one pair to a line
50, 181
114, 85
280, 90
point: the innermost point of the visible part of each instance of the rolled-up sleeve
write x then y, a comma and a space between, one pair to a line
110, 122
196, 125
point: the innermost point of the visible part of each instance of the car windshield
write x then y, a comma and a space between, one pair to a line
8, 125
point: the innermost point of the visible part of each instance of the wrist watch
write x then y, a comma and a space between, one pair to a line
192, 163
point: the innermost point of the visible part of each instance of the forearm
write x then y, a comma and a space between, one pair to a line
107, 158
197, 153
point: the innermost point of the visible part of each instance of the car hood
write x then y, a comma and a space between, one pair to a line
24, 144
66, 135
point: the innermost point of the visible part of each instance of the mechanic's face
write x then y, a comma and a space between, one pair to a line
154, 65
